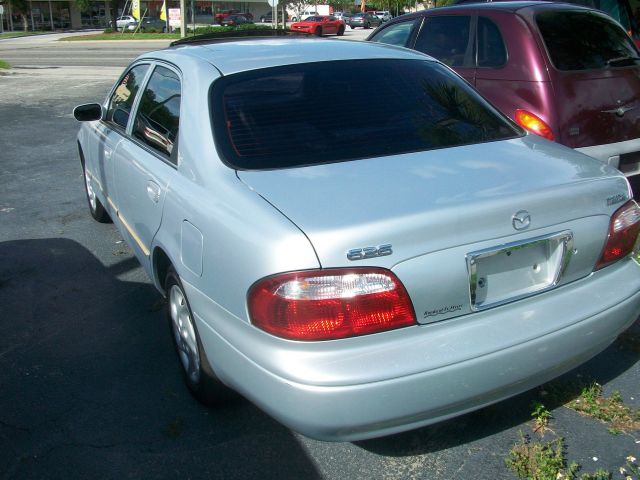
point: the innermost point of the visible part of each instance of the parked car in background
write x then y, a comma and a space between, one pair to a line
268, 17
537, 62
304, 14
236, 19
383, 15
619, 10
220, 16
487, 261
344, 16
320, 25
125, 20
148, 23
364, 20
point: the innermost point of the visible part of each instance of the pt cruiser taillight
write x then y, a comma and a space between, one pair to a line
623, 234
330, 304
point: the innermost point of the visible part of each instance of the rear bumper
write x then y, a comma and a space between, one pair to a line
625, 156
347, 390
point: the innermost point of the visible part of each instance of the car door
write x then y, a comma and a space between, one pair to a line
449, 39
146, 162
109, 133
330, 25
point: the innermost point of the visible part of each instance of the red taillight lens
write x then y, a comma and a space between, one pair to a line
623, 234
534, 124
330, 304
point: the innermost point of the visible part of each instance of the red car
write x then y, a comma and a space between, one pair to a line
220, 16
320, 25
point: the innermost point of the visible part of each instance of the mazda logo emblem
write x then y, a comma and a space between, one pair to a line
521, 220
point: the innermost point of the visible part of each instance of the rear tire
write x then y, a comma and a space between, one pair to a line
203, 384
318, 32
341, 31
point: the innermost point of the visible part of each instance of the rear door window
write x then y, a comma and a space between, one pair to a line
278, 117
585, 41
446, 38
157, 121
491, 50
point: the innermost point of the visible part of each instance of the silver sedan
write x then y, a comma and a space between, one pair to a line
352, 287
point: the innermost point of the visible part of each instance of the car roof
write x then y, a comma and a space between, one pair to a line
252, 54
509, 6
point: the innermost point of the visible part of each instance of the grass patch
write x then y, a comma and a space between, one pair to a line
122, 36
210, 32
20, 34
4, 65
610, 410
541, 416
547, 461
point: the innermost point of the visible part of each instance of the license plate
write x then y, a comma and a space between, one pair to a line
513, 271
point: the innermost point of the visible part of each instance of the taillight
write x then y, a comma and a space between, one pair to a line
330, 304
623, 234
534, 124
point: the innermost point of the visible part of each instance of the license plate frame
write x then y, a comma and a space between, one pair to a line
513, 271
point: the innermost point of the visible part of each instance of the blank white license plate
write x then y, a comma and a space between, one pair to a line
517, 270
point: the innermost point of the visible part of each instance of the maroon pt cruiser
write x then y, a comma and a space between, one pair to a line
568, 73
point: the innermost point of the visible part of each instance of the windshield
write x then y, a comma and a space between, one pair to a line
286, 116
584, 40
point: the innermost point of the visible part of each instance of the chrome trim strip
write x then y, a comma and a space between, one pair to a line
133, 234
131, 231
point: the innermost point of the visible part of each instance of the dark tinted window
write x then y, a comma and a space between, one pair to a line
445, 38
584, 41
397, 34
287, 116
158, 115
491, 50
124, 95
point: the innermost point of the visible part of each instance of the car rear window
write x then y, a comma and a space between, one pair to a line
287, 116
584, 40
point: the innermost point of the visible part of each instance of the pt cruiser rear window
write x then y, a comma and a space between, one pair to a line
288, 117
585, 41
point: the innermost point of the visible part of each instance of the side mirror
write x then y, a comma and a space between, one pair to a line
88, 112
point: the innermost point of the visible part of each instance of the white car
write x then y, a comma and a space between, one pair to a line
124, 21
383, 15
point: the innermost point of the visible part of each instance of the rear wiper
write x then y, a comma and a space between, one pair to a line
620, 61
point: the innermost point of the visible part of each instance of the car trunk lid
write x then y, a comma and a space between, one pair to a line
438, 208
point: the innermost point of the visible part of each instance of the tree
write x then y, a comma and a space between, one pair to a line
21, 7
83, 5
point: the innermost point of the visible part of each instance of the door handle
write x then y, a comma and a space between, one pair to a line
107, 153
153, 191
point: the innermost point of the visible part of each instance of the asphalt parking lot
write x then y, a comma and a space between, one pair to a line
89, 383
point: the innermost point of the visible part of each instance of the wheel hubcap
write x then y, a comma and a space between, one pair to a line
184, 333
91, 195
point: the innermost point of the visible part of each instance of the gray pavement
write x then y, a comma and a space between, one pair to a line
89, 383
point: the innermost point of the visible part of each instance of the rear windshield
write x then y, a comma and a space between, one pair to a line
287, 116
585, 41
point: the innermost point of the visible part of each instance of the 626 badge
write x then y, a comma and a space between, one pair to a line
369, 252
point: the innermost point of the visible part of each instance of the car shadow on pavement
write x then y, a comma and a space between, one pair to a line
515, 411
91, 388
